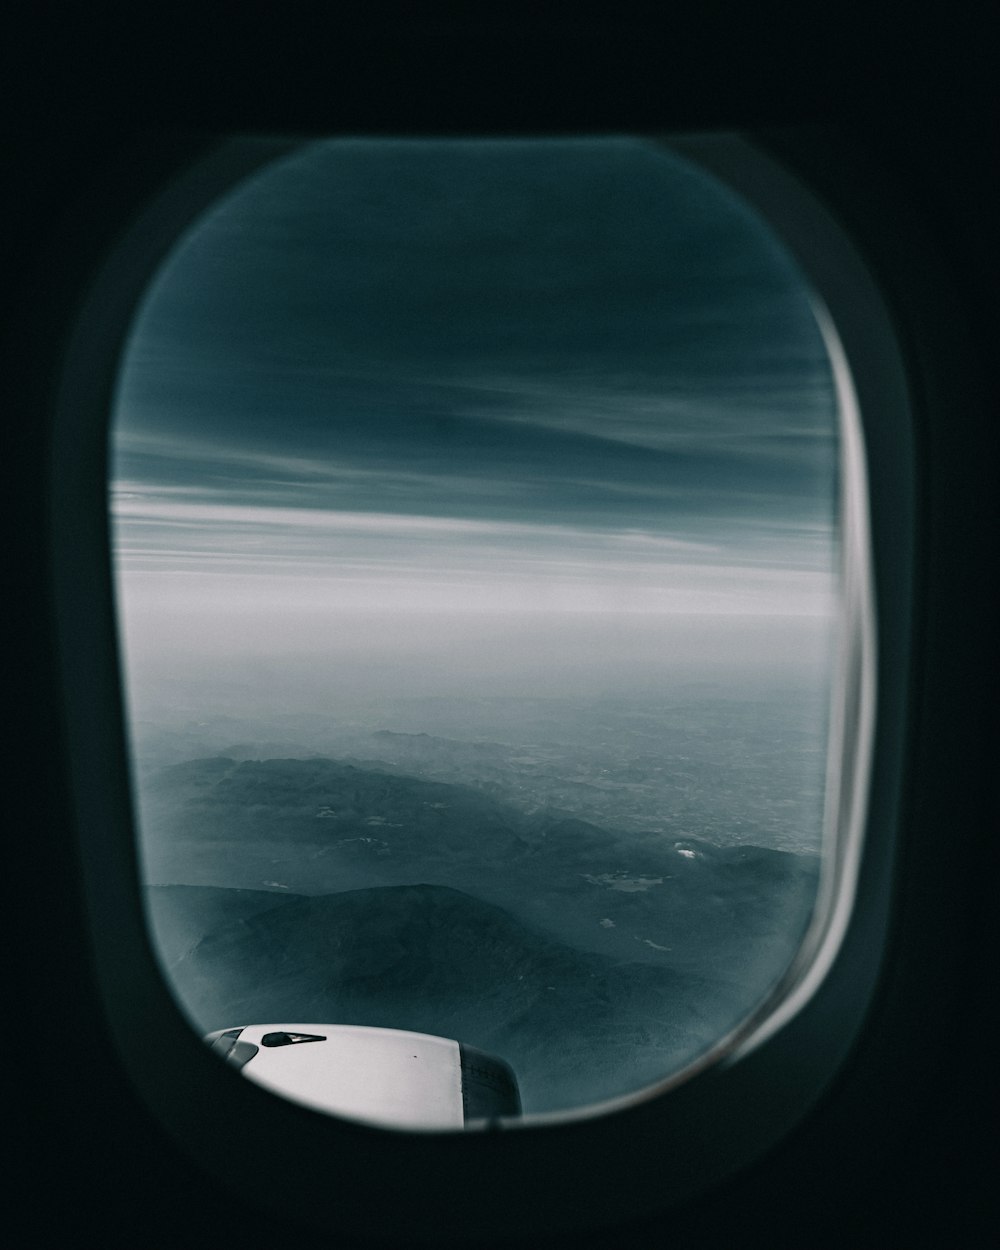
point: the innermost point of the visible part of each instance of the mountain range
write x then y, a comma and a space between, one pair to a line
594, 960
577, 1026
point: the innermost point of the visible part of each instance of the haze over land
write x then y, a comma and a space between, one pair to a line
474, 520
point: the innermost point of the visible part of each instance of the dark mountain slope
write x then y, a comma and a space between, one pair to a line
181, 915
577, 1026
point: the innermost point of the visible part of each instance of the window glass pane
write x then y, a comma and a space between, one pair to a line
474, 515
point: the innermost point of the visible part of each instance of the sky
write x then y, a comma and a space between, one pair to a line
423, 412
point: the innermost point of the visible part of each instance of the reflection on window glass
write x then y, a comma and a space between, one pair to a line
475, 532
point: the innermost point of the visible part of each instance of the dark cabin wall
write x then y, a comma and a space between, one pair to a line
892, 1156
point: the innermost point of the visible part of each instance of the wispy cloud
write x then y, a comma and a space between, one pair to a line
135, 505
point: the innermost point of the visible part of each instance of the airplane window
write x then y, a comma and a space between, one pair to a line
478, 555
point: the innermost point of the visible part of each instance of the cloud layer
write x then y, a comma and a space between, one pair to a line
565, 376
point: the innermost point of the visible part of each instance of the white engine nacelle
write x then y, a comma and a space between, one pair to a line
388, 1077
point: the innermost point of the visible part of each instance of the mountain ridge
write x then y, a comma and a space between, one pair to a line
577, 1026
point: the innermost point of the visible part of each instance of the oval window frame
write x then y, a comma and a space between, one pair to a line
781, 1059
